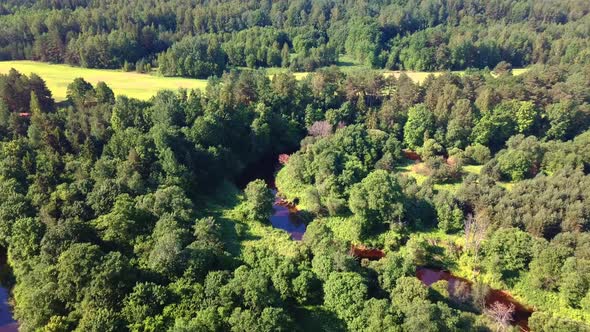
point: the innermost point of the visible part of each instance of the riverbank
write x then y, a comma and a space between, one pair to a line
517, 312
7, 322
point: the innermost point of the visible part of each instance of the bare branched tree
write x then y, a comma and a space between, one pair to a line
320, 129
475, 232
502, 314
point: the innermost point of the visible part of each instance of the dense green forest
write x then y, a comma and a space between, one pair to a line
119, 214
200, 38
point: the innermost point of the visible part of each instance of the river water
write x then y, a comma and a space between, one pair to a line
285, 217
7, 323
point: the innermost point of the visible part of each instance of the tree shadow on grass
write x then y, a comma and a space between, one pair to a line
316, 318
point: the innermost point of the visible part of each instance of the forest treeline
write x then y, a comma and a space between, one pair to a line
204, 38
103, 207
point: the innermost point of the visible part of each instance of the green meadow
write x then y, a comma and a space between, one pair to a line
131, 84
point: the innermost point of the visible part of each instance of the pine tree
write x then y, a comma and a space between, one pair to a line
35, 130
285, 55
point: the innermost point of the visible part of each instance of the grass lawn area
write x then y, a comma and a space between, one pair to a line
408, 167
238, 233
131, 84
472, 169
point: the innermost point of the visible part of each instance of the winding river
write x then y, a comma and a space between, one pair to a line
285, 217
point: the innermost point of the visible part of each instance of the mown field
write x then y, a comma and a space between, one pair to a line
131, 84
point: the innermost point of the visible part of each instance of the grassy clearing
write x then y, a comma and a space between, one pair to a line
409, 168
239, 233
472, 169
140, 86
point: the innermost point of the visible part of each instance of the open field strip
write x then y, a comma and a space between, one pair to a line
144, 86
131, 84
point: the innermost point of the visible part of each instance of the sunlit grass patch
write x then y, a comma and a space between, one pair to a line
131, 84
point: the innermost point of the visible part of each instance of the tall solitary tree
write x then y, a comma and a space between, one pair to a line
259, 200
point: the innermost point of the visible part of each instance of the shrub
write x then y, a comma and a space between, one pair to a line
478, 154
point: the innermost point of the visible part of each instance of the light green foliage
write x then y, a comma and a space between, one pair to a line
120, 225
526, 116
545, 267
508, 250
575, 281
449, 214
271, 319
25, 239
478, 154
560, 117
144, 302
420, 124
407, 291
377, 316
259, 200
200, 57
252, 288
101, 320
76, 267
521, 158
546, 322
377, 199
124, 214
430, 149
362, 41
393, 268
122, 83
345, 293
496, 126
306, 287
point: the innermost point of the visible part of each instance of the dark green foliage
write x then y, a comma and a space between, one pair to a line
109, 208
534, 205
198, 57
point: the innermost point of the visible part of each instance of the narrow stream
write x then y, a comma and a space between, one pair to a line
521, 314
285, 216
7, 323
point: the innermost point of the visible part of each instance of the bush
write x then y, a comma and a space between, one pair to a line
430, 149
441, 171
478, 154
